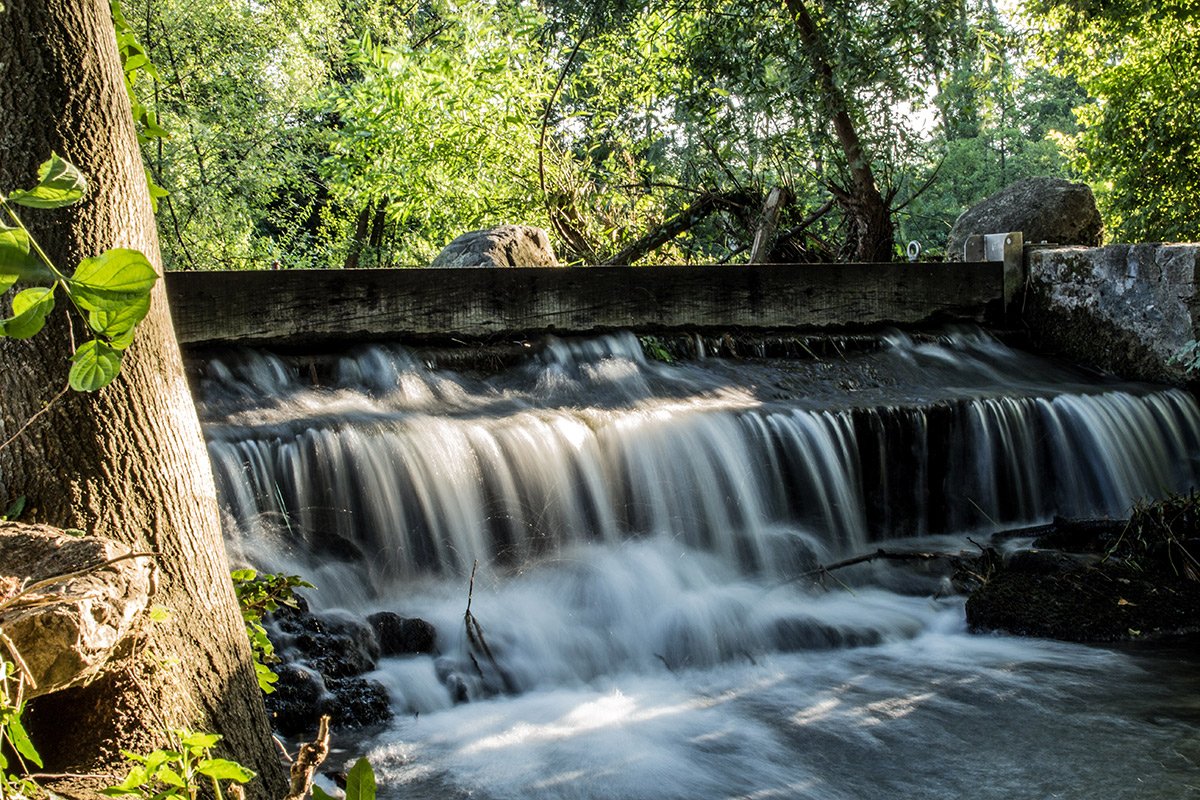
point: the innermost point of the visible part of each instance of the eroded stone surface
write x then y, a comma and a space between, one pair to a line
503, 246
1126, 309
67, 631
1050, 210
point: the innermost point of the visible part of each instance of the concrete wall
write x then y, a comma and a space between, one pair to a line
1125, 309
303, 307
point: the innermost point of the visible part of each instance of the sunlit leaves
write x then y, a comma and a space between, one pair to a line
30, 309
60, 183
94, 366
1141, 64
17, 262
111, 290
112, 280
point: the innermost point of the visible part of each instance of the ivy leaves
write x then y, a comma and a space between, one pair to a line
111, 291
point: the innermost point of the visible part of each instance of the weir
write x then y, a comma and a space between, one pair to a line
313, 306
629, 532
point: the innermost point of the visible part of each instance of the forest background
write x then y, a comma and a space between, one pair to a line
346, 133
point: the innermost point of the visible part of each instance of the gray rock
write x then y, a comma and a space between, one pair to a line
68, 631
398, 636
1050, 210
504, 246
1126, 309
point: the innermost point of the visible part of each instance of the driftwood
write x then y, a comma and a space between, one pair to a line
311, 756
69, 605
685, 220
880, 554
764, 237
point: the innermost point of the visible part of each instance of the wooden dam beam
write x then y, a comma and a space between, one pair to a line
311, 306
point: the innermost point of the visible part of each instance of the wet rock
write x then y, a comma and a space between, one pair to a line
302, 697
356, 703
503, 246
400, 636
1050, 210
1104, 602
806, 633
294, 707
335, 646
447, 672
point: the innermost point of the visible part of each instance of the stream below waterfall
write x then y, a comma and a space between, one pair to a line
638, 529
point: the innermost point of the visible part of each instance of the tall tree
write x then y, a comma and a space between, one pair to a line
127, 462
871, 236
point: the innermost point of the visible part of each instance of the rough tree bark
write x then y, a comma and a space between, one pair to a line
872, 235
127, 462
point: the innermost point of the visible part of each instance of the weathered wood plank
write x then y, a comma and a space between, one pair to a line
331, 305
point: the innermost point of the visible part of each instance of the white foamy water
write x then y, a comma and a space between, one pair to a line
637, 528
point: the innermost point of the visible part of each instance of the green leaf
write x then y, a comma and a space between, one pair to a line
60, 183
17, 263
20, 739
159, 613
118, 326
267, 678
243, 574
201, 740
135, 778
170, 777
320, 794
222, 770
14, 510
360, 781
30, 309
107, 282
94, 366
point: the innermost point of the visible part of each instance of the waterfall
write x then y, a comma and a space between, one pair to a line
411, 471
637, 527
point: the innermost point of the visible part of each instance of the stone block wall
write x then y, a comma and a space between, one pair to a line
1125, 309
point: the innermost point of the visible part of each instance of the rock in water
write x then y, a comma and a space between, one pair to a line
504, 246
1050, 210
398, 636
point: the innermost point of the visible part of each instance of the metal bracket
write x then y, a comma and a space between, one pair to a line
1008, 248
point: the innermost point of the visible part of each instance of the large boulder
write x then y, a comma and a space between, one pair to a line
1050, 210
505, 246
70, 605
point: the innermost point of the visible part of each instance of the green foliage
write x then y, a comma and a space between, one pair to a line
13, 735
180, 772
360, 783
14, 510
135, 63
1140, 64
259, 595
111, 290
654, 348
441, 136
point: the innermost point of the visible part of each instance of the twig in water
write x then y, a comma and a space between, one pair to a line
824, 569
311, 756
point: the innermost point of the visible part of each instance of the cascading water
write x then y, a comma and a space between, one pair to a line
636, 526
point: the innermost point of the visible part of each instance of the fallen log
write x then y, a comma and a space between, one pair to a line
68, 604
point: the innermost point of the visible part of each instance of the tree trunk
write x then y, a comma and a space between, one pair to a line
872, 235
354, 254
127, 462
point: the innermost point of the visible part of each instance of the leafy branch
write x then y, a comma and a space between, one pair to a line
110, 291
259, 595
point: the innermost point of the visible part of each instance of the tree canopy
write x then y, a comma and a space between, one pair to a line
371, 132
